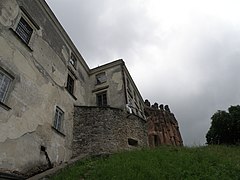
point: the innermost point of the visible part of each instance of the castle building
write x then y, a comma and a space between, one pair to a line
52, 105
162, 126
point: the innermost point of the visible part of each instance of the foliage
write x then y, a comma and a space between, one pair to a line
225, 127
211, 162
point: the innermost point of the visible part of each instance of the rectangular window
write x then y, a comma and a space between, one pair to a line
58, 119
101, 78
102, 99
156, 141
5, 82
70, 84
24, 30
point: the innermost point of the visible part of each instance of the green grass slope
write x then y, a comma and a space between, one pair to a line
212, 162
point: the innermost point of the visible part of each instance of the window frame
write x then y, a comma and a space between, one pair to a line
58, 120
22, 28
31, 23
101, 78
7, 89
70, 87
103, 102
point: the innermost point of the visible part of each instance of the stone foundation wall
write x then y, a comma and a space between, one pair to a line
98, 130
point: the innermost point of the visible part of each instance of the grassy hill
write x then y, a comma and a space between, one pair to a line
212, 162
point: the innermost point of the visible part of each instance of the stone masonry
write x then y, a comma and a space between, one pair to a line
49, 97
163, 127
99, 130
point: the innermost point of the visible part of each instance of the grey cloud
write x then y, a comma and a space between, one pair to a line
193, 67
103, 30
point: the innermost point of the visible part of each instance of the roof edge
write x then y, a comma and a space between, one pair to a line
63, 33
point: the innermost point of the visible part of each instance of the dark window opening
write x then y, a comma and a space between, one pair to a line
102, 99
101, 78
70, 84
156, 140
132, 142
24, 30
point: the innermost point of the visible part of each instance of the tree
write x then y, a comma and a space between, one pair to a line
225, 127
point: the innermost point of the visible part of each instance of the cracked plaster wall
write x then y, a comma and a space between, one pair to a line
38, 87
40, 72
113, 86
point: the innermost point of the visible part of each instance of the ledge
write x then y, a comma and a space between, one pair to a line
128, 115
72, 71
4, 106
59, 132
29, 17
71, 94
135, 115
100, 88
17, 36
100, 107
5, 175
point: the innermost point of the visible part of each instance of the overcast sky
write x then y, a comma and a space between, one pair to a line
182, 53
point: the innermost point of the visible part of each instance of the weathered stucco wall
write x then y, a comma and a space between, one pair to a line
106, 130
133, 96
40, 73
113, 86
